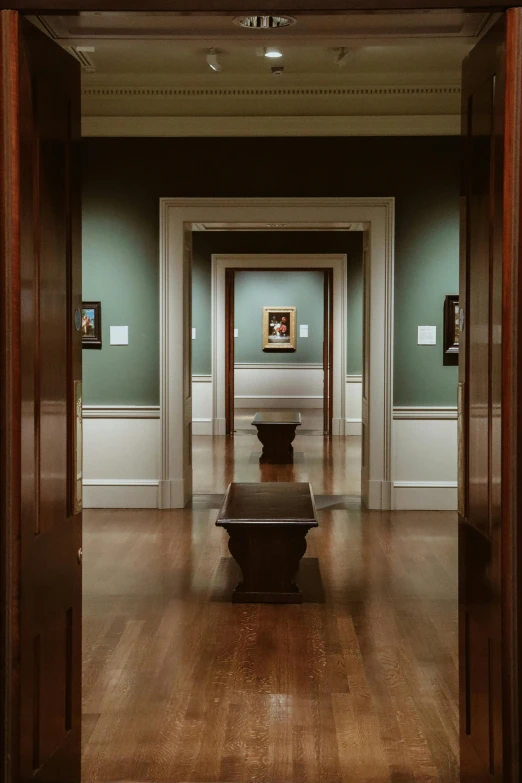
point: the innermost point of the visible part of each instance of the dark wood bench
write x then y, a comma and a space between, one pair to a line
276, 431
267, 524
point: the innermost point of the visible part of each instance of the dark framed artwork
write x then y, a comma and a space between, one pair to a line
451, 330
91, 325
279, 328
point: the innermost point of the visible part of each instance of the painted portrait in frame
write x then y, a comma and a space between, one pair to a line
279, 328
91, 325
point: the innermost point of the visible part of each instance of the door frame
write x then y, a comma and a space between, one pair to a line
178, 218
336, 263
293, 7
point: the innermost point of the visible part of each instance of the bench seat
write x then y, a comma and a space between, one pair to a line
267, 525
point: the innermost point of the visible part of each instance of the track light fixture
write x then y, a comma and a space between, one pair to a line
213, 60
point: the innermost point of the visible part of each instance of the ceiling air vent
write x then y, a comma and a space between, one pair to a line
264, 22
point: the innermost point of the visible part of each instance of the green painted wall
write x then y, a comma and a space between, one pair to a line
428, 270
121, 269
123, 180
255, 290
205, 244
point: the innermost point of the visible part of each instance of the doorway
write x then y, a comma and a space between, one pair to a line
298, 376
192, 575
374, 217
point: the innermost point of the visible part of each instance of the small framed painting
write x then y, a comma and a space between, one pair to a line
279, 328
451, 330
91, 325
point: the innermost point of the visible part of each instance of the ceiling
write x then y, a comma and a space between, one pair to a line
161, 47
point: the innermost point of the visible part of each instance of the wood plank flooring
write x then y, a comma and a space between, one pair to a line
332, 465
359, 684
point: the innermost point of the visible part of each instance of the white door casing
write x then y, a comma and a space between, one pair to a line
178, 215
220, 262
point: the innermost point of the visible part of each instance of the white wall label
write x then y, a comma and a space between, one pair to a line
193, 332
426, 335
303, 330
236, 332
119, 335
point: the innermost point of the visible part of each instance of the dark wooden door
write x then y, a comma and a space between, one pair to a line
487, 421
41, 405
229, 350
328, 352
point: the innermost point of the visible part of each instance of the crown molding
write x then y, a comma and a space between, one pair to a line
155, 92
258, 126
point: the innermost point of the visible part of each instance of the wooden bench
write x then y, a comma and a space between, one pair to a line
267, 524
276, 431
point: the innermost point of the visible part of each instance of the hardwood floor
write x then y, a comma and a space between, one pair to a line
358, 684
331, 465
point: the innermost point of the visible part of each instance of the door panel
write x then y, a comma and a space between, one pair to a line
46, 633
486, 524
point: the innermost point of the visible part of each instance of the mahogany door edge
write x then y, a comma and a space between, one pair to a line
512, 395
10, 394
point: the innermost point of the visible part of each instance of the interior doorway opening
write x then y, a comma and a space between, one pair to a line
265, 342
373, 217
328, 289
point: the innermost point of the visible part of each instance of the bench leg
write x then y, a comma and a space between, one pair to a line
277, 443
268, 556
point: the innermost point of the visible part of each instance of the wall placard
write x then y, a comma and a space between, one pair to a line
119, 335
426, 335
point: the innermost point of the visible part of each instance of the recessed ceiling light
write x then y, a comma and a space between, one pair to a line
264, 22
273, 52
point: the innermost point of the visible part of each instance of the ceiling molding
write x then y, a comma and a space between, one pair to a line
401, 125
155, 92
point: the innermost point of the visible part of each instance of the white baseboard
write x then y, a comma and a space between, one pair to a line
424, 495
120, 493
339, 427
353, 427
219, 426
202, 426
251, 401
172, 494
379, 494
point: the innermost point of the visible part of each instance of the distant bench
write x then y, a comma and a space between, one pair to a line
267, 524
276, 431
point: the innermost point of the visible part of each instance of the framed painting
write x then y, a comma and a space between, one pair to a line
91, 325
279, 328
451, 329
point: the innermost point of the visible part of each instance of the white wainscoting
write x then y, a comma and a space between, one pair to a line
353, 401
424, 458
121, 456
278, 385
122, 446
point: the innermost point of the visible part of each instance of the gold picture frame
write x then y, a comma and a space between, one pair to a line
279, 328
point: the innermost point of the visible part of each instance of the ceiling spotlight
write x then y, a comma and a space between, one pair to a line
213, 60
273, 52
343, 55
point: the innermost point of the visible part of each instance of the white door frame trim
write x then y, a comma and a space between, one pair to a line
221, 262
177, 216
